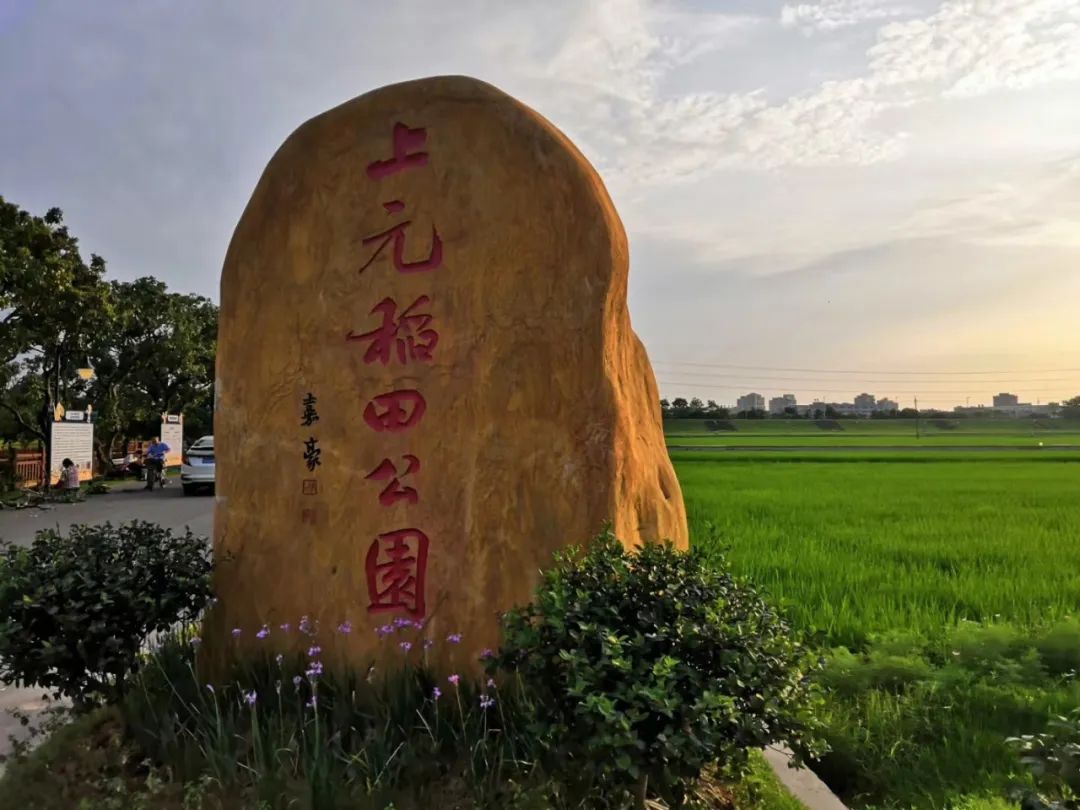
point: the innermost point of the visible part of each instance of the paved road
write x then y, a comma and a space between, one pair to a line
167, 507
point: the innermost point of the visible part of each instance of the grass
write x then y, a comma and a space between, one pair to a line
872, 440
946, 590
863, 547
215, 754
91, 764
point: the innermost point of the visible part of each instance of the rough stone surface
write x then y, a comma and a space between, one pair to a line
541, 423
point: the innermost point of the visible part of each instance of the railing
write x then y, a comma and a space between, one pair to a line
29, 466
29, 471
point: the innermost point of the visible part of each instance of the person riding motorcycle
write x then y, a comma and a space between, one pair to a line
155, 461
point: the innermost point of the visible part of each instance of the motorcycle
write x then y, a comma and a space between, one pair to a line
155, 474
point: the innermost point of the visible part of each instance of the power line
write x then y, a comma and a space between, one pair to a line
865, 371
815, 380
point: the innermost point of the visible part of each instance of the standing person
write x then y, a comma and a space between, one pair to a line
155, 461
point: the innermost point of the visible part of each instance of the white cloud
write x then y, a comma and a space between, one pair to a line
1037, 207
624, 50
971, 47
830, 15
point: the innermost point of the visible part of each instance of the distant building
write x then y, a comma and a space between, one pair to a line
812, 408
1006, 401
887, 405
865, 404
751, 402
778, 405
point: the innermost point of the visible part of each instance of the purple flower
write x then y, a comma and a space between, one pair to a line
385, 630
486, 702
488, 653
236, 631
297, 681
285, 628
491, 683
406, 645
250, 698
305, 625
213, 601
279, 658
429, 644
345, 628
195, 642
263, 633
211, 688
454, 638
455, 679
436, 693
313, 703
314, 669
402, 623
313, 651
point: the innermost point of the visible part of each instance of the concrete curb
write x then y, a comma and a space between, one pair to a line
803, 784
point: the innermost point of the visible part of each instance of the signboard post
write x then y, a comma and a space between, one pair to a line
72, 438
172, 433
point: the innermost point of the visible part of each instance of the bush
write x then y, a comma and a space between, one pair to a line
76, 610
1054, 760
650, 666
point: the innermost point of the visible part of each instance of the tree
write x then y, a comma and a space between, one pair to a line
715, 410
51, 304
151, 350
156, 356
1071, 408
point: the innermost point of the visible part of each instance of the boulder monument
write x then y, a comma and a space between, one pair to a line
427, 381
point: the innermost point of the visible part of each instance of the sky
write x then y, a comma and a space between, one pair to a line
822, 197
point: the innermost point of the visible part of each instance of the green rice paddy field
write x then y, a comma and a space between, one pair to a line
942, 587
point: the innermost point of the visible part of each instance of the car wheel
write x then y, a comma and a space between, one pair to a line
188, 489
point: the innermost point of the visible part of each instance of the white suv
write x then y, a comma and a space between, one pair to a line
198, 465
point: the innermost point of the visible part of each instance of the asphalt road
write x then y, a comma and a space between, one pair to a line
167, 507
127, 502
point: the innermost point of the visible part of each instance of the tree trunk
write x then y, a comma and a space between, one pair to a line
642, 793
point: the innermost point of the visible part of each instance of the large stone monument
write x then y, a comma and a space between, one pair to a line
427, 380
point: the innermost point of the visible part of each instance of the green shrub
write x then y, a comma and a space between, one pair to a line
1054, 760
650, 666
75, 610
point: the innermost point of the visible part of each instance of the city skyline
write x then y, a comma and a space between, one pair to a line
729, 396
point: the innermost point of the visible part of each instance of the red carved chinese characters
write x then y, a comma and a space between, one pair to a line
396, 568
394, 491
395, 412
405, 140
396, 563
396, 234
409, 332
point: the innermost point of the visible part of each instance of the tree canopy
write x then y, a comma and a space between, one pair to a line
151, 350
